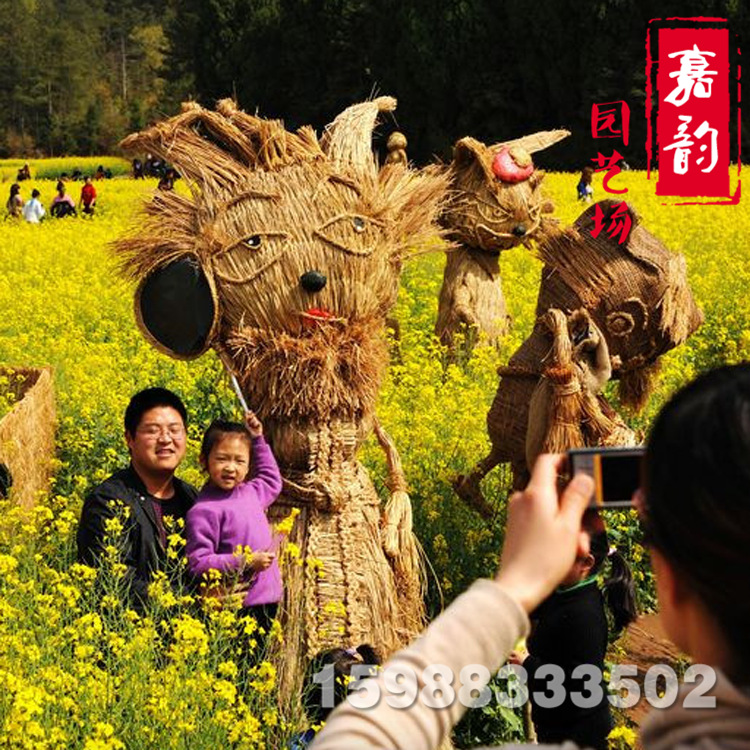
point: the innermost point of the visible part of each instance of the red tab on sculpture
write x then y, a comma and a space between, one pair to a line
692, 122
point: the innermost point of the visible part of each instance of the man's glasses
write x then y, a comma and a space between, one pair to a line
154, 432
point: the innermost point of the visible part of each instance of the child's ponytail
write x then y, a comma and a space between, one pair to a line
619, 591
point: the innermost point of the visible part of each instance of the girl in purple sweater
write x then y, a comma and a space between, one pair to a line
230, 512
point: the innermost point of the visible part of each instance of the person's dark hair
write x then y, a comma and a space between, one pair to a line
587, 175
35, 193
342, 659
60, 187
619, 588
697, 497
216, 431
150, 398
15, 189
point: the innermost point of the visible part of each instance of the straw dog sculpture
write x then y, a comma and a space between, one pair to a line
286, 260
605, 310
496, 204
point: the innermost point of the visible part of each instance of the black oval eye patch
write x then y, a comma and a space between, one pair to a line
177, 307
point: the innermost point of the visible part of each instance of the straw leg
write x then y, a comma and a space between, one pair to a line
468, 487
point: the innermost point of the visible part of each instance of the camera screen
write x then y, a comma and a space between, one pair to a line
616, 473
620, 477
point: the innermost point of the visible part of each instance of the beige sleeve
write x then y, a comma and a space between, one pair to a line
480, 627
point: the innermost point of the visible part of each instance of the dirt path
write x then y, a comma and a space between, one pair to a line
647, 644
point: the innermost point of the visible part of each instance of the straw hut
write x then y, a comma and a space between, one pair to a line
496, 204
606, 310
286, 260
27, 434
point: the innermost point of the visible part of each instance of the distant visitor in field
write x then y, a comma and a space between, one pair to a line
147, 490
33, 210
286, 260
496, 204
584, 188
88, 198
605, 310
14, 205
62, 204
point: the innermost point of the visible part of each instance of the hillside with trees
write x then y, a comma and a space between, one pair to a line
78, 75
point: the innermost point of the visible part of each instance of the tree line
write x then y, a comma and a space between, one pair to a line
78, 75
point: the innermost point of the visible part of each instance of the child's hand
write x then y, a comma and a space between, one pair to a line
261, 560
253, 424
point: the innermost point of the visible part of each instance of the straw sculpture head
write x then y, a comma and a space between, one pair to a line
636, 292
288, 251
497, 201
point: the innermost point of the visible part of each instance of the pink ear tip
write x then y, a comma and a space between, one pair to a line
506, 167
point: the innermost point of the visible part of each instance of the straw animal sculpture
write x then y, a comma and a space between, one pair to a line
27, 433
605, 310
286, 261
496, 204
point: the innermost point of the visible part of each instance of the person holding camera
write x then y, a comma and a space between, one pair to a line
695, 509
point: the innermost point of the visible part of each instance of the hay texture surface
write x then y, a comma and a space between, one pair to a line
297, 245
491, 210
605, 310
27, 433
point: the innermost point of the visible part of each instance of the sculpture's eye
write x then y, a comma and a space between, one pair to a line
359, 224
354, 234
253, 241
620, 323
492, 212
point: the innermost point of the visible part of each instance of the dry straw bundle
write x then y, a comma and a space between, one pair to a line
496, 204
27, 433
605, 309
286, 260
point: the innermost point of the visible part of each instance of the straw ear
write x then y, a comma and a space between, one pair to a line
536, 141
348, 139
468, 151
177, 309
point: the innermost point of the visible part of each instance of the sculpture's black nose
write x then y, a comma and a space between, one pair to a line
519, 230
312, 281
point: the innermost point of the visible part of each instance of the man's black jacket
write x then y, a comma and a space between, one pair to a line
140, 545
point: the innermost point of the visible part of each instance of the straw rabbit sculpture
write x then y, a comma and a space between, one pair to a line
496, 204
605, 310
286, 260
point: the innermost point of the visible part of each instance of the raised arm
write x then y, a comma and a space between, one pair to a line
266, 477
265, 472
481, 626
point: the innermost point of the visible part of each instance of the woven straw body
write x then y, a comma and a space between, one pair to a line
471, 299
487, 215
292, 248
27, 433
636, 298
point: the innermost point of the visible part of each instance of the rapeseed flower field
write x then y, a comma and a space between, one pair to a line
79, 671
